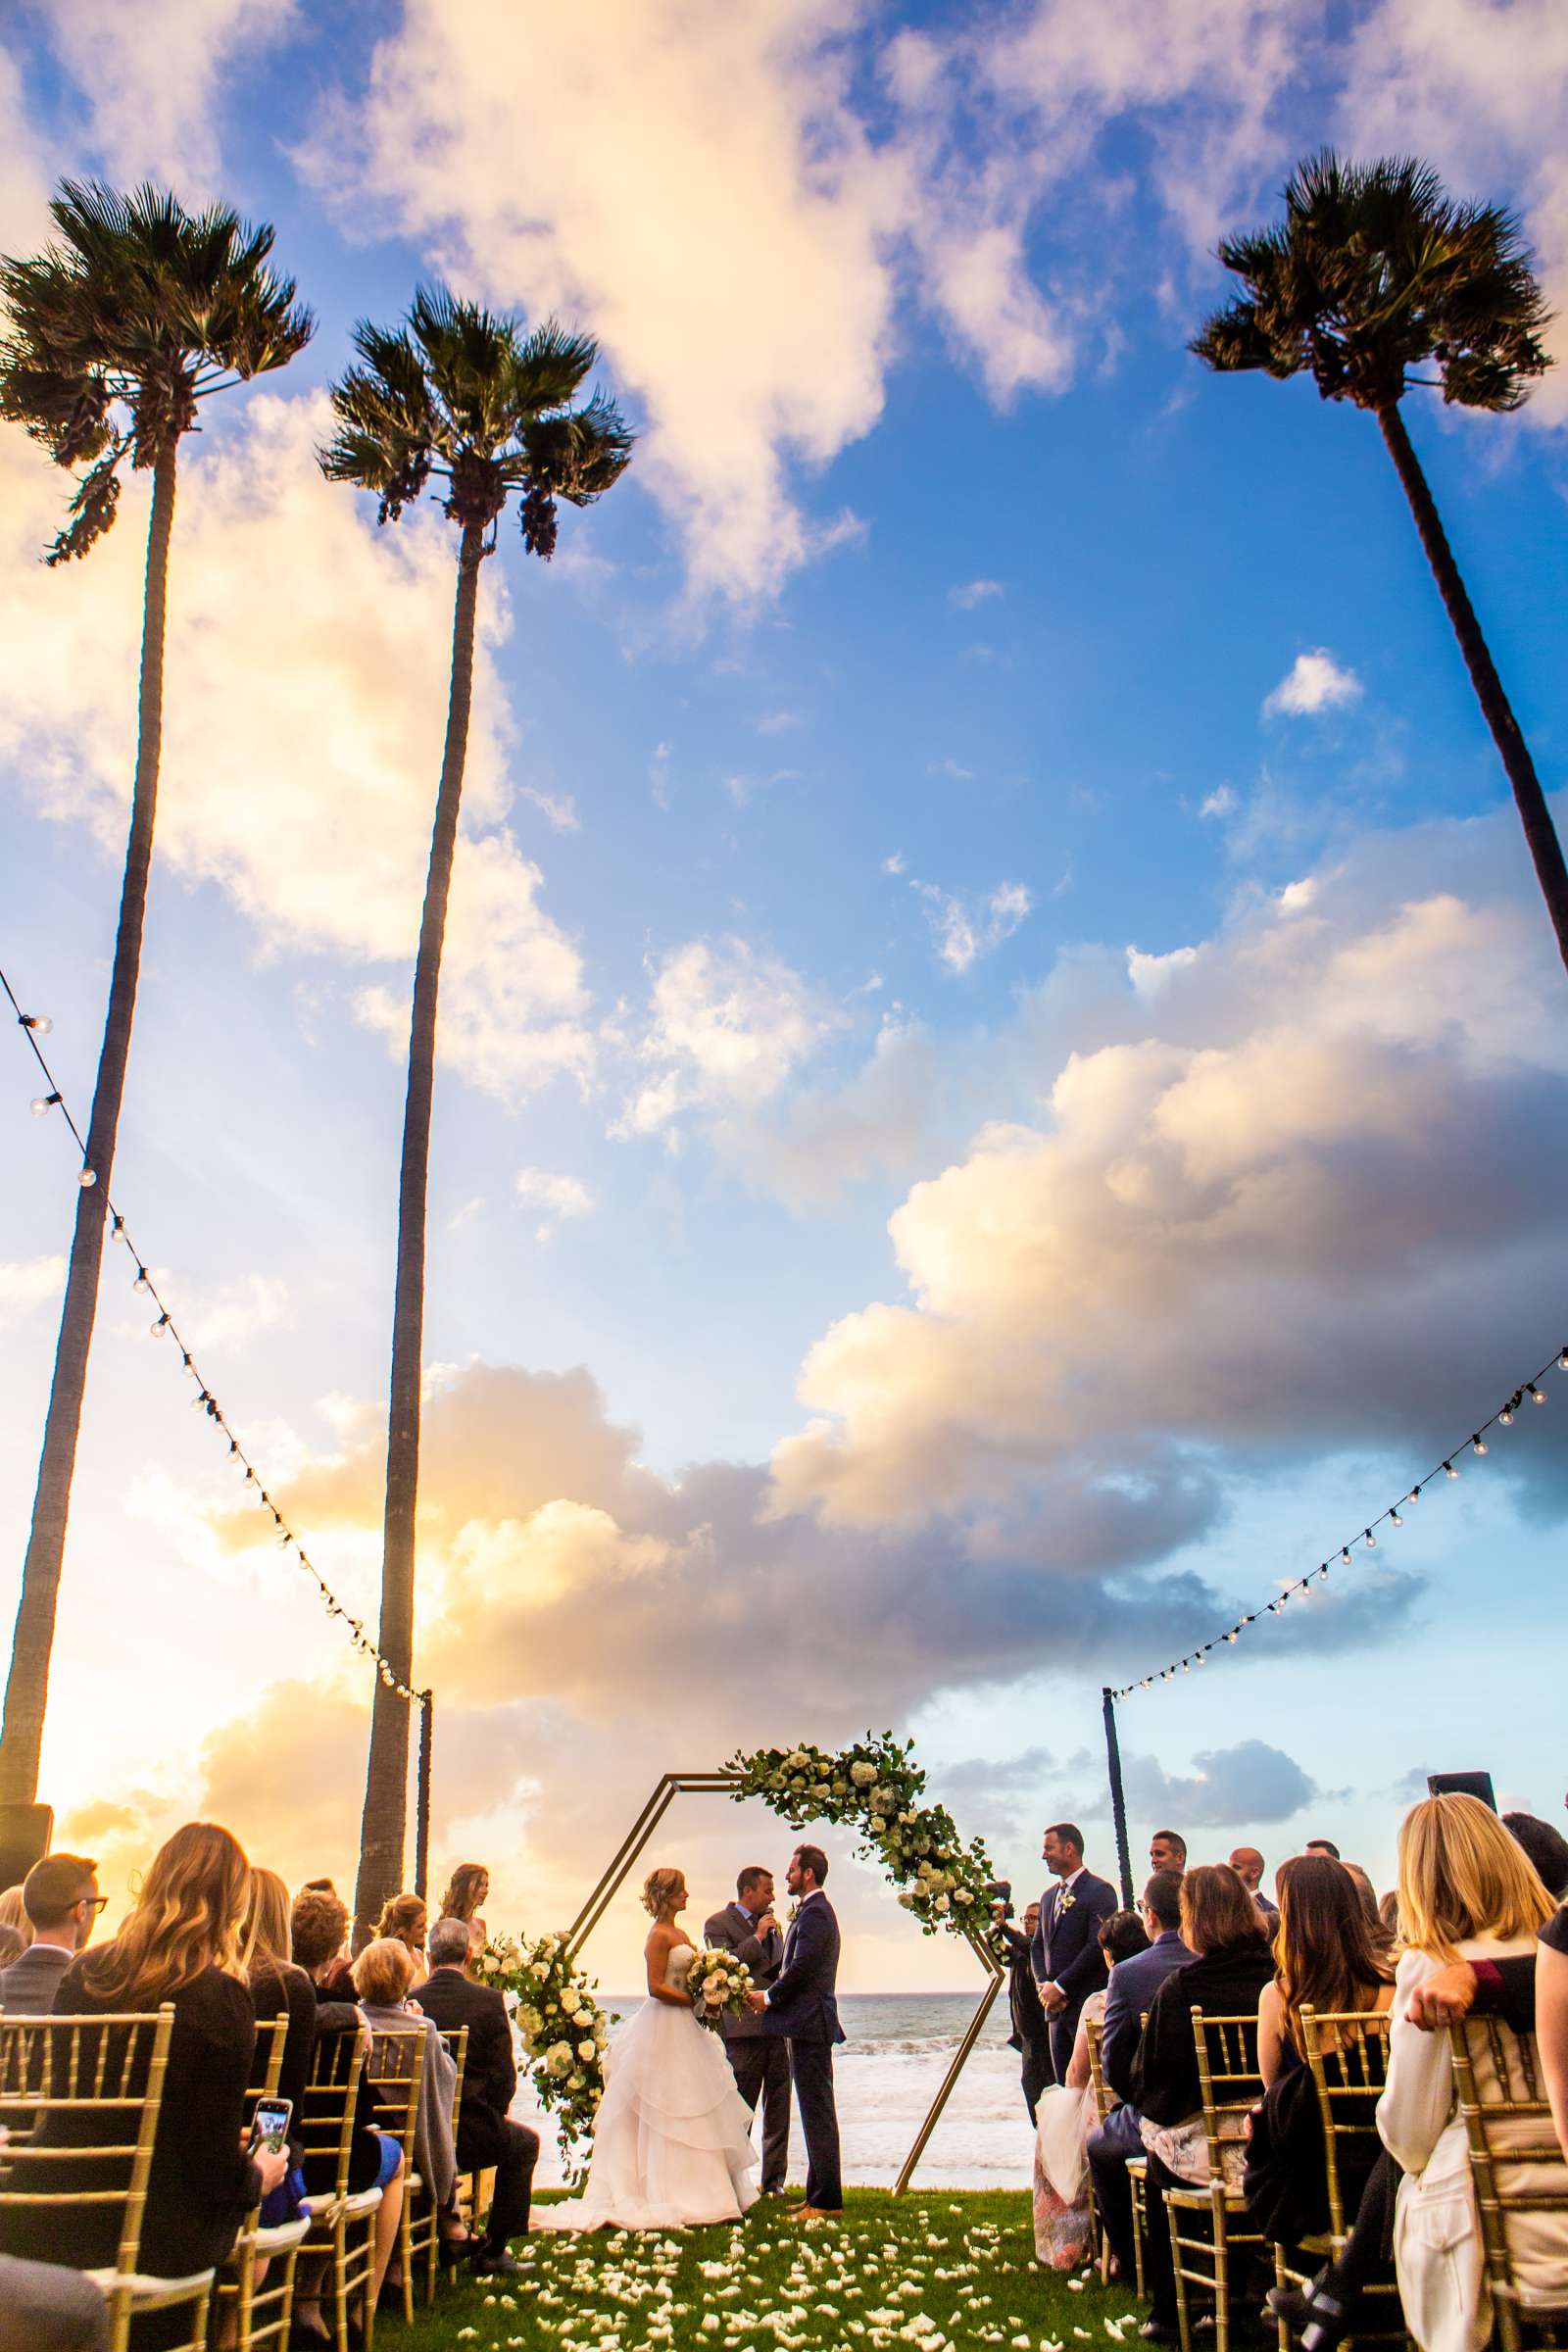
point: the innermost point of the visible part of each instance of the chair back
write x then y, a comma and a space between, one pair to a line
457, 2047
1348, 2053
324, 2124
267, 2064
395, 2071
1231, 2086
82, 2095
1521, 2181
1105, 2096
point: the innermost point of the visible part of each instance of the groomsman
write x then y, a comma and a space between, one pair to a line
761, 2063
1066, 1954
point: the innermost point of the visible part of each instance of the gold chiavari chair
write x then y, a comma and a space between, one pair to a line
1104, 2101
395, 2072
61, 2078
424, 2231
1137, 2186
258, 2281
1348, 2054
1231, 2086
342, 2223
1521, 2181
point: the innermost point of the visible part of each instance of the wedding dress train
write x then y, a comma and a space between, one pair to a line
672, 2140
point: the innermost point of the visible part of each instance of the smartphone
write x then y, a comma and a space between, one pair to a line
1462, 1783
270, 2124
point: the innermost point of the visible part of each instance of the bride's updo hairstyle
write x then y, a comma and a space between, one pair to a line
659, 1888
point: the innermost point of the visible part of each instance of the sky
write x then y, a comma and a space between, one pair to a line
1002, 1078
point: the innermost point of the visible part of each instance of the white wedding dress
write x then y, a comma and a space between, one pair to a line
672, 2140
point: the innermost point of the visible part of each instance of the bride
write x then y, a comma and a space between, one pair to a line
672, 2140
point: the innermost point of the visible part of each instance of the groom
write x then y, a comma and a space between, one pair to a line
761, 2063
801, 2007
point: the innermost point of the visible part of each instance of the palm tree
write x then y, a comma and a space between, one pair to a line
471, 399
1374, 272
113, 336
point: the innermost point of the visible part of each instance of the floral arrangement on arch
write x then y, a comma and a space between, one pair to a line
877, 1788
563, 2027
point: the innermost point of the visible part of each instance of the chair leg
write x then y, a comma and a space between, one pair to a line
1179, 2277
1136, 2180
1222, 2276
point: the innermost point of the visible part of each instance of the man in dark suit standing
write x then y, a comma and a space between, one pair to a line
60, 1895
760, 2061
1067, 1961
802, 2008
486, 2133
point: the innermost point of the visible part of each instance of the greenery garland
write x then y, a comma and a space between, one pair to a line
563, 2027
877, 1788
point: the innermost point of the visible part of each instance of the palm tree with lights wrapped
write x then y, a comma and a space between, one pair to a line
111, 340
1375, 271
468, 399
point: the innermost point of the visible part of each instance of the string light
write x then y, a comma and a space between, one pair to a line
1503, 1418
34, 1026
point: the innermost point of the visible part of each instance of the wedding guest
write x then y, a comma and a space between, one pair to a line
1134, 1983
1327, 1958
61, 1899
1068, 2113
1551, 2019
1247, 1864
11, 1946
383, 1978
760, 2061
1322, 1846
1388, 1913
1031, 2029
280, 1988
405, 1919
46, 2309
465, 1898
1167, 1850
14, 1914
1367, 1894
1224, 1928
179, 1943
1065, 1953
1547, 1848
333, 1977
486, 2134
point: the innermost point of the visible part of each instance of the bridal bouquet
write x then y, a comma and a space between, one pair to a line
719, 1985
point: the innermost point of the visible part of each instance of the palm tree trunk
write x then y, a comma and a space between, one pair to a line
1530, 800
28, 1685
384, 1821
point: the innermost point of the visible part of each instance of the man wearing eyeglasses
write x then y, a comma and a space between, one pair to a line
61, 1899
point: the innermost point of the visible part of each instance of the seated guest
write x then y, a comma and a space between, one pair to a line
464, 1899
1224, 1928
1068, 2113
335, 1982
1167, 1850
280, 1988
486, 2133
180, 1944
1547, 1848
1377, 1929
1388, 1913
1323, 1846
405, 1920
1134, 1983
383, 1976
45, 2308
1247, 1864
61, 1899
13, 1943
14, 1915
1326, 1959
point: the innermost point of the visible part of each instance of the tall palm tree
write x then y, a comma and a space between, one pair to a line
1374, 272
113, 338
469, 399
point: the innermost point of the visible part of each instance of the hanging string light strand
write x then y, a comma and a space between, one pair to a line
1528, 1392
34, 1026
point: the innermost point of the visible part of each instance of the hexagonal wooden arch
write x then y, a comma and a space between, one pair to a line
724, 1784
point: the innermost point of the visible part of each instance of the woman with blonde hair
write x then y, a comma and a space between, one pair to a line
279, 1990
406, 1920
181, 1942
384, 1975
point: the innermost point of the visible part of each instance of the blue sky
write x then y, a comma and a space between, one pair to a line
998, 1021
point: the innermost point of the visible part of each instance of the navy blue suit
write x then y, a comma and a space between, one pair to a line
1133, 1986
802, 2007
1067, 1951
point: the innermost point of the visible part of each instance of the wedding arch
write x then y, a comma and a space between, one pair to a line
874, 1789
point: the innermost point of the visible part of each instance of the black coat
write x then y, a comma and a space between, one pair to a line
803, 2003
202, 2184
451, 2000
1066, 1946
288, 1993
1223, 1983
1031, 2029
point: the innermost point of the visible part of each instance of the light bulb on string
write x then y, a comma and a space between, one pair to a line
1534, 1395
88, 1179
1371, 1540
1345, 1556
141, 1281
1479, 1445
1449, 1470
1414, 1494
158, 1328
40, 1022
116, 1230
1505, 1417
1562, 1361
42, 1105
1323, 1571
1394, 1520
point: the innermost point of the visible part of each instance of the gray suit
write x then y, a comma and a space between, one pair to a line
761, 2062
28, 1985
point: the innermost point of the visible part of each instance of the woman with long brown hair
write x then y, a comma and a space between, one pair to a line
464, 1899
181, 1944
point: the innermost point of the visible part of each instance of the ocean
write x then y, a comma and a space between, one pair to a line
886, 2074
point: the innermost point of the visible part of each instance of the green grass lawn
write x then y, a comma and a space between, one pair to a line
936, 2268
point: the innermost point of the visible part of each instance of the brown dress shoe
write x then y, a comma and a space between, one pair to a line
811, 2213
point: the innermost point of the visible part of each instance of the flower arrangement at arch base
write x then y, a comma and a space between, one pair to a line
563, 2027
875, 1788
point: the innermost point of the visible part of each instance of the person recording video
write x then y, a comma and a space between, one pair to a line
1031, 2028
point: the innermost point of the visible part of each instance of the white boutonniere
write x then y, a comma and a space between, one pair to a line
1067, 1902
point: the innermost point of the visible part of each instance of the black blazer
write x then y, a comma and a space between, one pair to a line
288, 1993
1031, 2028
1224, 1982
1066, 1946
202, 2184
451, 2000
28, 1985
803, 2003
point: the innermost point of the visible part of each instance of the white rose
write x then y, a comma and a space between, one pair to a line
907, 1900
587, 2051
878, 1826
862, 1775
943, 1903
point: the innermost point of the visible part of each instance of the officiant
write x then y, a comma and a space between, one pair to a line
760, 2061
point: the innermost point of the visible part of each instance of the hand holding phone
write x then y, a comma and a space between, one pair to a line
270, 2127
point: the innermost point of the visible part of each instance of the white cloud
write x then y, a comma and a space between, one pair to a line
726, 1027
151, 83
559, 1197
967, 929
1221, 802
972, 593
778, 722
559, 809
894, 864
1152, 974
1314, 682
659, 784
27, 1284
